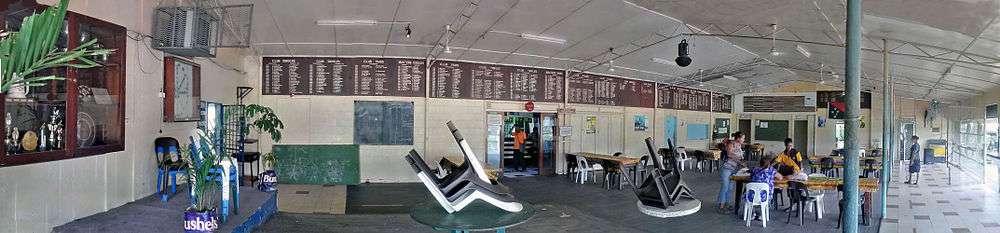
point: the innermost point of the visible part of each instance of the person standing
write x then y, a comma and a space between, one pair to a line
733, 160
519, 138
914, 160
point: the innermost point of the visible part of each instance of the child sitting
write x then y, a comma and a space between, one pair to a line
765, 172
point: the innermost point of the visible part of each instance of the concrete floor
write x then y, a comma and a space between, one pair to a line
563, 207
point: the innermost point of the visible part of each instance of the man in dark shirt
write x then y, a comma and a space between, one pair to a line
914, 160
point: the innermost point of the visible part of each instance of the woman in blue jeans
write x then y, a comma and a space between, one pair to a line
732, 163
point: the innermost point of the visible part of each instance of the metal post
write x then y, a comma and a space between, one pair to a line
893, 128
852, 85
886, 126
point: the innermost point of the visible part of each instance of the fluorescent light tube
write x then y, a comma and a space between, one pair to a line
802, 50
730, 78
663, 61
543, 38
346, 22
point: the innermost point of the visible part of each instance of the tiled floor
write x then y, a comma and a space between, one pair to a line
934, 205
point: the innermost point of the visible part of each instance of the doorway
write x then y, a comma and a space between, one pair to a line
745, 127
907, 130
536, 156
801, 135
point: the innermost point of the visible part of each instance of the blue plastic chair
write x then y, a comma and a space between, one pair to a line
216, 172
164, 147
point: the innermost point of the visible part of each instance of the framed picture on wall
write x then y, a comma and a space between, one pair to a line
182, 89
639, 122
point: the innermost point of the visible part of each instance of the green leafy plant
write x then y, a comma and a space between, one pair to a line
270, 159
264, 120
33, 49
199, 174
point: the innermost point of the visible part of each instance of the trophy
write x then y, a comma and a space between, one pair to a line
14, 140
42, 141
6, 140
55, 130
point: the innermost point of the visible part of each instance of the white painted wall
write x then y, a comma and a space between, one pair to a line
37, 197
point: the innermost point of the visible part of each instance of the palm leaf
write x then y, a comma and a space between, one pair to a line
33, 49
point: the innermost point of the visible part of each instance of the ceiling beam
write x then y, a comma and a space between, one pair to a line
948, 70
388, 34
460, 20
488, 29
557, 22
975, 59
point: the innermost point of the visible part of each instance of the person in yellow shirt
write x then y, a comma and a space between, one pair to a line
790, 160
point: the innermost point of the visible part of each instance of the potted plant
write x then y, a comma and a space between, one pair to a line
201, 215
263, 119
32, 49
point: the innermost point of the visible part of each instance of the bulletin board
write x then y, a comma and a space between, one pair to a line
697, 131
383, 123
773, 130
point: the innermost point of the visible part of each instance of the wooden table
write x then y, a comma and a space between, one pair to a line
713, 156
840, 159
492, 172
625, 163
866, 185
621, 160
838, 162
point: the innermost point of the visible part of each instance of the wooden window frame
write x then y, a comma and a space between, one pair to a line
169, 92
70, 149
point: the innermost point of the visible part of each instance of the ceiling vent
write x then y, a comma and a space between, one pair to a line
195, 31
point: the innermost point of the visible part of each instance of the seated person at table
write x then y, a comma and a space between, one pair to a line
765, 173
789, 161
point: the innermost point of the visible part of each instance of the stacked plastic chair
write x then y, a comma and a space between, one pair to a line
464, 185
663, 188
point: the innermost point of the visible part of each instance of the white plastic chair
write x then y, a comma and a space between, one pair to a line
682, 157
756, 194
818, 194
584, 169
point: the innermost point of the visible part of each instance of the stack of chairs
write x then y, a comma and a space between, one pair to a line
465, 184
661, 188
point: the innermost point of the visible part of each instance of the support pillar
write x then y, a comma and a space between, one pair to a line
886, 127
852, 83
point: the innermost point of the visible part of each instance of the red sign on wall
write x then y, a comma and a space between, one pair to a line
529, 106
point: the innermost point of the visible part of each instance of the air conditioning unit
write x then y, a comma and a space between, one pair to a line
186, 31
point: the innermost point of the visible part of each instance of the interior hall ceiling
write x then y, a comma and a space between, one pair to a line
941, 49
639, 30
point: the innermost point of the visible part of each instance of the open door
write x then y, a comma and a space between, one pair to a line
494, 142
547, 144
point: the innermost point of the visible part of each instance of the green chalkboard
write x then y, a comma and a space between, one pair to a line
771, 130
317, 164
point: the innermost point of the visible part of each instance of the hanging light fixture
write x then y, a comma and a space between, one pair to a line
683, 59
821, 81
447, 39
774, 50
611, 62
408, 31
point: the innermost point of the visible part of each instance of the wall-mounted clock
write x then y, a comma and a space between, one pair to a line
182, 85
